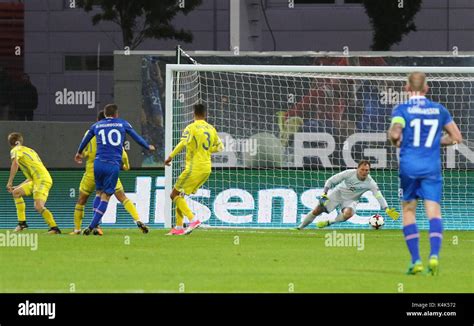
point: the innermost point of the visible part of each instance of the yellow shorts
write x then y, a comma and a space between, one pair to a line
190, 181
39, 189
87, 185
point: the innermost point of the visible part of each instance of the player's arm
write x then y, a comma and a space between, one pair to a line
218, 146
13, 172
453, 136
137, 138
395, 132
392, 212
87, 138
331, 182
185, 137
125, 161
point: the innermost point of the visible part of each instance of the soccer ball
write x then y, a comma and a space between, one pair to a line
376, 221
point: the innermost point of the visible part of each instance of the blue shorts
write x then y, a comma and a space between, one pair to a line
106, 176
428, 187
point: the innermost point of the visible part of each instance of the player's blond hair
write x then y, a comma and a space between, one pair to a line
417, 81
15, 138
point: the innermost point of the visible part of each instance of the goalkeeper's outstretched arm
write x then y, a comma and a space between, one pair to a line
383, 202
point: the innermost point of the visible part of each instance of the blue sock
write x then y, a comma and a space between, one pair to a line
436, 235
96, 203
99, 212
412, 238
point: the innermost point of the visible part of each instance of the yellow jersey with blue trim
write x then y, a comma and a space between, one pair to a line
30, 163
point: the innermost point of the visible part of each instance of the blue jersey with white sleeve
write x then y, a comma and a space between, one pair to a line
110, 134
423, 122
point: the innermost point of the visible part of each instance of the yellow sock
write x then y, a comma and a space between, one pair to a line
131, 209
78, 216
183, 206
20, 209
48, 217
179, 218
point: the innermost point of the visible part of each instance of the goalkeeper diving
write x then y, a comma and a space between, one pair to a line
349, 186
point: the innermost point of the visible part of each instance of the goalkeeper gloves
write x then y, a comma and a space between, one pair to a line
323, 201
392, 213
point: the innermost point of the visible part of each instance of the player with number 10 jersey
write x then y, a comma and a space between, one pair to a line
110, 135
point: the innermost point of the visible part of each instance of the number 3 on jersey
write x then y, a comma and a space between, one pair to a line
110, 137
208, 137
416, 124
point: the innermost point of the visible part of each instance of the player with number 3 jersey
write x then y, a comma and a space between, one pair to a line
200, 140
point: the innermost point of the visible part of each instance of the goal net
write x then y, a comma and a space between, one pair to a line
286, 129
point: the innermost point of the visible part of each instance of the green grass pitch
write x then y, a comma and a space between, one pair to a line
226, 260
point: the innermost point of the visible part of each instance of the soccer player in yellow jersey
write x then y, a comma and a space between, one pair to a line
37, 184
201, 140
87, 187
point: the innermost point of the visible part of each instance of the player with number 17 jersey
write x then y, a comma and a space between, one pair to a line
422, 121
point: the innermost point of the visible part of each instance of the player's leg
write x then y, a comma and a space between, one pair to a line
40, 196
410, 188
432, 192
178, 199
334, 201
98, 213
18, 193
106, 177
79, 212
347, 211
179, 227
176, 196
412, 236
126, 202
309, 218
433, 211
129, 207
86, 188
47, 215
192, 187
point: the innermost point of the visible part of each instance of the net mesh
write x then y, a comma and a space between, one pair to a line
286, 133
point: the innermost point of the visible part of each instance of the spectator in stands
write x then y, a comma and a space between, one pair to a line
319, 110
375, 113
24, 99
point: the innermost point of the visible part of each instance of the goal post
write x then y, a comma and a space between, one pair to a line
286, 129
